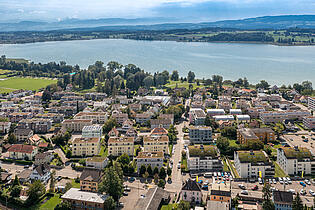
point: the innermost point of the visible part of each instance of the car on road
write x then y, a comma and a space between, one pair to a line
307, 182
127, 189
178, 166
241, 186
26, 166
303, 184
274, 181
260, 181
255, 187
121, 204
142, 196
312, 192
244, 192
132, 179
125, 193
291, 191
302, 192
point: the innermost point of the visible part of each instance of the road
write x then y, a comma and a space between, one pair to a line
67, 171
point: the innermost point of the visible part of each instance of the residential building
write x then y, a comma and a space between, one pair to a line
223, 117
22, 152
5, 127
92, 131
156, 144
155, 198
120, 117
249, 164
154, 159
235, 111
96, 117
246, 134
42, 158
191, 192
203, 158
37, 125
200, 134
16, 117
282, 200
197, 116
263, 134
295, 160
81, 200
56, 118
254, 112
309, 122
96, 162
279, 116
143, 118
165, 123
118, 146
75, 125
167, 117
220, 193
23, 134
243, 118
41, 172
214, 112
89, 179
135, 107
86, 146
113, 133
311, 103
160, 131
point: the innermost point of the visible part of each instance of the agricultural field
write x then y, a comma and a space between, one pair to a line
16, 83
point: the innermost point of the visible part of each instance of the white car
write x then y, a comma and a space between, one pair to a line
307, 182
244, 192
291, 191
289, 180
274, 181
260, 181
312, 192
302, 192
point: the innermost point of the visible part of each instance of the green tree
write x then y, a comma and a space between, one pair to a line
169, 171
267, 202
109, 203
16, 181
297, 203
142, 170
175, 76
191, 77
68, 186
223, 144
148, 82
183, 205
112, 184
124, 159
156, 170
149, 170
12, 139
35, 191
52, 181
263, 84
63, 206
109, 125
15, 191
162, 173
161, 183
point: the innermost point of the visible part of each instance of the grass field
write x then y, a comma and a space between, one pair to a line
74, 184
278, 171
172, 84
51, 203
16, 83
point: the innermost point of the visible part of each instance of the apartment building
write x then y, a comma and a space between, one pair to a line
262, 134
22, 152
165, 123
97, 162
309, 122
154, 159
167, 117
75, 125
86, 146
23, 134
90, 179
254, 112
235, 111
120, 117
214, 112
220, 192
36, 125
18, 116
276, 116
250, 163
294, 160
223, 117
203, 158
197, 116
118, 146
56, 118
143, 118
311, 103
92, 131
200, 134
243, 118
96, 117
5, 127
156, 144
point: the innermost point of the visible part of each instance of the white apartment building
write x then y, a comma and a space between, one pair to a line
213, 112
203, 158
154, 159
309, 122
200, 134
156, 144
275, 117
197, 116
235, 111
118, 146
75, 125
223, 117
249, 163
92, 131
294, 160
311, 103
86, 146
96, 117
97, 162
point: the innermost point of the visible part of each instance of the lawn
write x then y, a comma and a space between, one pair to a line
135, 149
51, 203
233, 143
170, 148
103, 151
169, 206
74, 184
16, 83
278, 171
172, 84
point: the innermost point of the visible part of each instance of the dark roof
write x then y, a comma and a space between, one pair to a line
221, 193
153, 199
90, 174
191, 186
42, 169
21, 148
22, 131
282, 197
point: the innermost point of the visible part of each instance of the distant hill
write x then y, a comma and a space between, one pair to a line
266, 22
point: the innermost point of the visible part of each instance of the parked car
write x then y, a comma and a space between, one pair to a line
307, 182
127, 189
274, 181
244, 192
289, 180
204, 187
260, 181
312, 192
255, 187
132, 179
125, 193
291, 191
241, 186
303, 184
302, 192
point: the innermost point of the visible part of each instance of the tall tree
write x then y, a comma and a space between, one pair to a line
267, 203
112, 184
35, 191
297, 203
191, 77
175, 75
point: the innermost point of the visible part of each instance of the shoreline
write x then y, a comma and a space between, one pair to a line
164, 40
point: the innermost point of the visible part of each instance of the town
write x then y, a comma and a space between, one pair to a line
116, 137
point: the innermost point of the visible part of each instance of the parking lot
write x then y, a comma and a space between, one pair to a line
297, 140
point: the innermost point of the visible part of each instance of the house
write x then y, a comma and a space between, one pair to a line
22, 152
200, 134
131, 133
156, 144
56, 118
118, 146
165, 123
16, 117
41, 172
295, 160
96, 162
95, 96
197, 116
86, 146
23, 134
154, 159
5, 127
309, 122
203, 158
89, 179
191, 192
160, 131
84, 200
37, 125
113, 133
120, 117
283, 200
243, 118
135, 107
253, 164
92, 131
221, 192
153, 199
42, 158
167, 116
143, 118
24, 176
75, 125
96, 117
35, 139
128, 124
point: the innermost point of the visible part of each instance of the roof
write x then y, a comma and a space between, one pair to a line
161, 121
84, 140
217, 205
202, 151
282, 197
34, 138
96, 159
297, 152
153, 198
77, 194
248, 133
25, 174
221, 193
42, 169
21, 148
159, 130
150, 155
22, 131
42, 155
90, 174
122, 139
155, 139
191, 185
252, 156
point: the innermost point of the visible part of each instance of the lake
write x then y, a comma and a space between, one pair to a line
276, 64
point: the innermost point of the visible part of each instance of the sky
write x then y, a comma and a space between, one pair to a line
181, 10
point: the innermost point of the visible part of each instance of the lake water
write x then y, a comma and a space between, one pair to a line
276, 64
